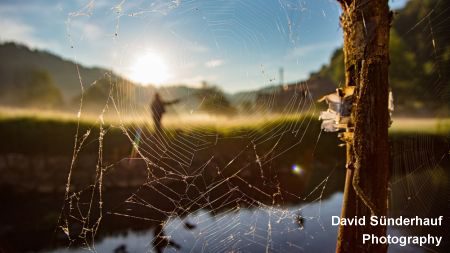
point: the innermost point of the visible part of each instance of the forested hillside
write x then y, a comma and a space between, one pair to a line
19, 60
420, 58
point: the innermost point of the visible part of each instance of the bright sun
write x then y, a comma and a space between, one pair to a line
149, 68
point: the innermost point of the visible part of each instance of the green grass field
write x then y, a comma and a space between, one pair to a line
32, 132
293, 139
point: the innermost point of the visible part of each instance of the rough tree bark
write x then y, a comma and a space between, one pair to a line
366, 25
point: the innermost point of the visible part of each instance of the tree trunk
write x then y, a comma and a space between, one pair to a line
366, 25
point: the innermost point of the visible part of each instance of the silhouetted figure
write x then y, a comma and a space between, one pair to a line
121, 249
161, 241
189, 226
158, 109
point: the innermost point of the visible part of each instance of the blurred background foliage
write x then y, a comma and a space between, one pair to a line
420, 58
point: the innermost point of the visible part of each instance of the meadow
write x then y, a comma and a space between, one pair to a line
44, 141
28, 131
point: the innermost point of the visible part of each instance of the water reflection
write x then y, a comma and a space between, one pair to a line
244, 230
284, 206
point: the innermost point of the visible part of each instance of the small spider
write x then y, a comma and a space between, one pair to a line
300, 221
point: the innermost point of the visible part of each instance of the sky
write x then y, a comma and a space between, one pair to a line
235, 44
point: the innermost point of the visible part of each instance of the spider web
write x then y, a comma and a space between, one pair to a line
181, 174
201, 189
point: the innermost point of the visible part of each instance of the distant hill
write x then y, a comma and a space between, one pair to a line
41, 79
59, 85
63, 72
29, 88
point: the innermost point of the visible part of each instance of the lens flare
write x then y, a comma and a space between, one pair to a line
296, 169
